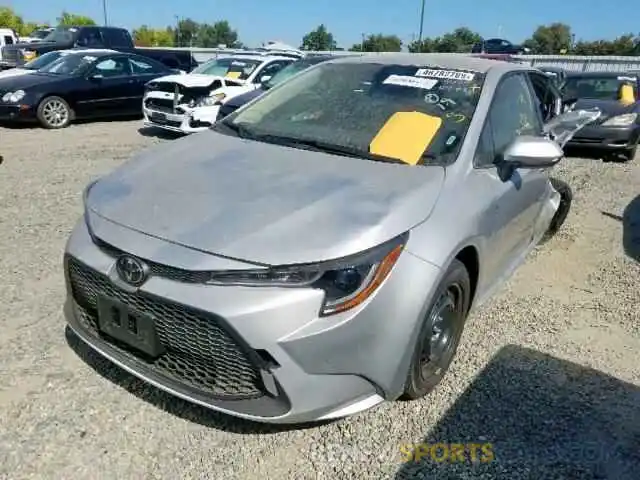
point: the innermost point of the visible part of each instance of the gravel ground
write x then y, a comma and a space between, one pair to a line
548, 371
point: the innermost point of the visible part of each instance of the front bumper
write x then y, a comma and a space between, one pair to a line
257, 353
193, 120
606, 138
17, 113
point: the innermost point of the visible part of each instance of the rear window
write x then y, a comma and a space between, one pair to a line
117, 38
599, 88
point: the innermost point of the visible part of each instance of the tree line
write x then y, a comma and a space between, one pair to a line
554, 39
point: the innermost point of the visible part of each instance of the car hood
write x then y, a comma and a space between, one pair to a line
259, 202
240, 100
609, 108
14, 72
16, 82
190, 79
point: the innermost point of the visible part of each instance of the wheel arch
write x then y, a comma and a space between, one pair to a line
470, 258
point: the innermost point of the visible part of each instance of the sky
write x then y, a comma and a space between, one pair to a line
258, 21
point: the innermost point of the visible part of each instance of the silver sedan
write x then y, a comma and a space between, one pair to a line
319, 250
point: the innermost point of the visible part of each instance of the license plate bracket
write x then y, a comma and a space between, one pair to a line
129, 326
158, 117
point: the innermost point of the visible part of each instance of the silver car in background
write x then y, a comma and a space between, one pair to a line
295, 264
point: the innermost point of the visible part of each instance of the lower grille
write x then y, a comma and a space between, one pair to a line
199, 352
160, 105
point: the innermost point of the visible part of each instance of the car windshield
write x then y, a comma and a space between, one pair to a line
69, 64
600, 88
236, 68
61, 35
342, 107
39, 34
287, 72
42, 61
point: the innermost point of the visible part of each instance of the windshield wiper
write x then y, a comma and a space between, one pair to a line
319, 146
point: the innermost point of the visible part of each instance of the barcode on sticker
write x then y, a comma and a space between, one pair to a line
406, 81
445, 74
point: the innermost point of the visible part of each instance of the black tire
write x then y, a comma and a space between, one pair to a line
430, 362
54, 113
566, 198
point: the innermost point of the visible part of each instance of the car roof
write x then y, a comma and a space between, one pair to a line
439, 60
261, 58
88, 50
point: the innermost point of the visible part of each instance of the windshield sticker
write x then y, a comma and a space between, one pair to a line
445, 74
406, 81
233, 75
406, 136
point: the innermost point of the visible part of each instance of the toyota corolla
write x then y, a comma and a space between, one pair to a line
318, 251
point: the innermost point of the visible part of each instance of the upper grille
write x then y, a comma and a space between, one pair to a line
159, 270
200, 353
160, 104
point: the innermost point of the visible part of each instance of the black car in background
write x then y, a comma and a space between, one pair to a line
236, 102
617, 132
79, 85
114, 38
499, 45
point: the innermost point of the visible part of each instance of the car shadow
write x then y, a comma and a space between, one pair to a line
533, 416
630, 220
170, 404
159, 133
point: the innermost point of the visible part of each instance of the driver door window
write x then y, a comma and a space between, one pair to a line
512, 113
270, 70
112, 67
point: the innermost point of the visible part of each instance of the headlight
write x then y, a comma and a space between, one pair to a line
211, 100
346, 282
621, 120
13, 97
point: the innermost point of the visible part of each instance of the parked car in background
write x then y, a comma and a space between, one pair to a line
234, 103
44, 60
617, 133
67, 37
37, 35
79, 85
318, 252
7, 37
190, 103
499, 45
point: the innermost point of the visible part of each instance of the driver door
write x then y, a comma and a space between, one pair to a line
508, 223
107, 89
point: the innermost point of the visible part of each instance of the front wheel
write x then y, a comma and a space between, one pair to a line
440, 334
54, 112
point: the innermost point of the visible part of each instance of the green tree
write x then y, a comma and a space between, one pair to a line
145, 36
550, 39
72, 19
319, 39
378, 43
186, 33
460, 40
220, 33
9, 19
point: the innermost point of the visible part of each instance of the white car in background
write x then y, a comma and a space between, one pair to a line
44, 60
190, 103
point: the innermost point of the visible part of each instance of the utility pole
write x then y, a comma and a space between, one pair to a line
362, 43
421, 22
104, 11
177, 30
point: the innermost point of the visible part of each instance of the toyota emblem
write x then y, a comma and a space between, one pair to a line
132, 270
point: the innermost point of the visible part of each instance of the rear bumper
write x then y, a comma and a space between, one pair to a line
606, 138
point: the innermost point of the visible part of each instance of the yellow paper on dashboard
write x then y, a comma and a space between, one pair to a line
233, 75
406, 136
627, 96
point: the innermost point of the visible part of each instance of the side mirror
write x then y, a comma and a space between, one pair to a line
532, 152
